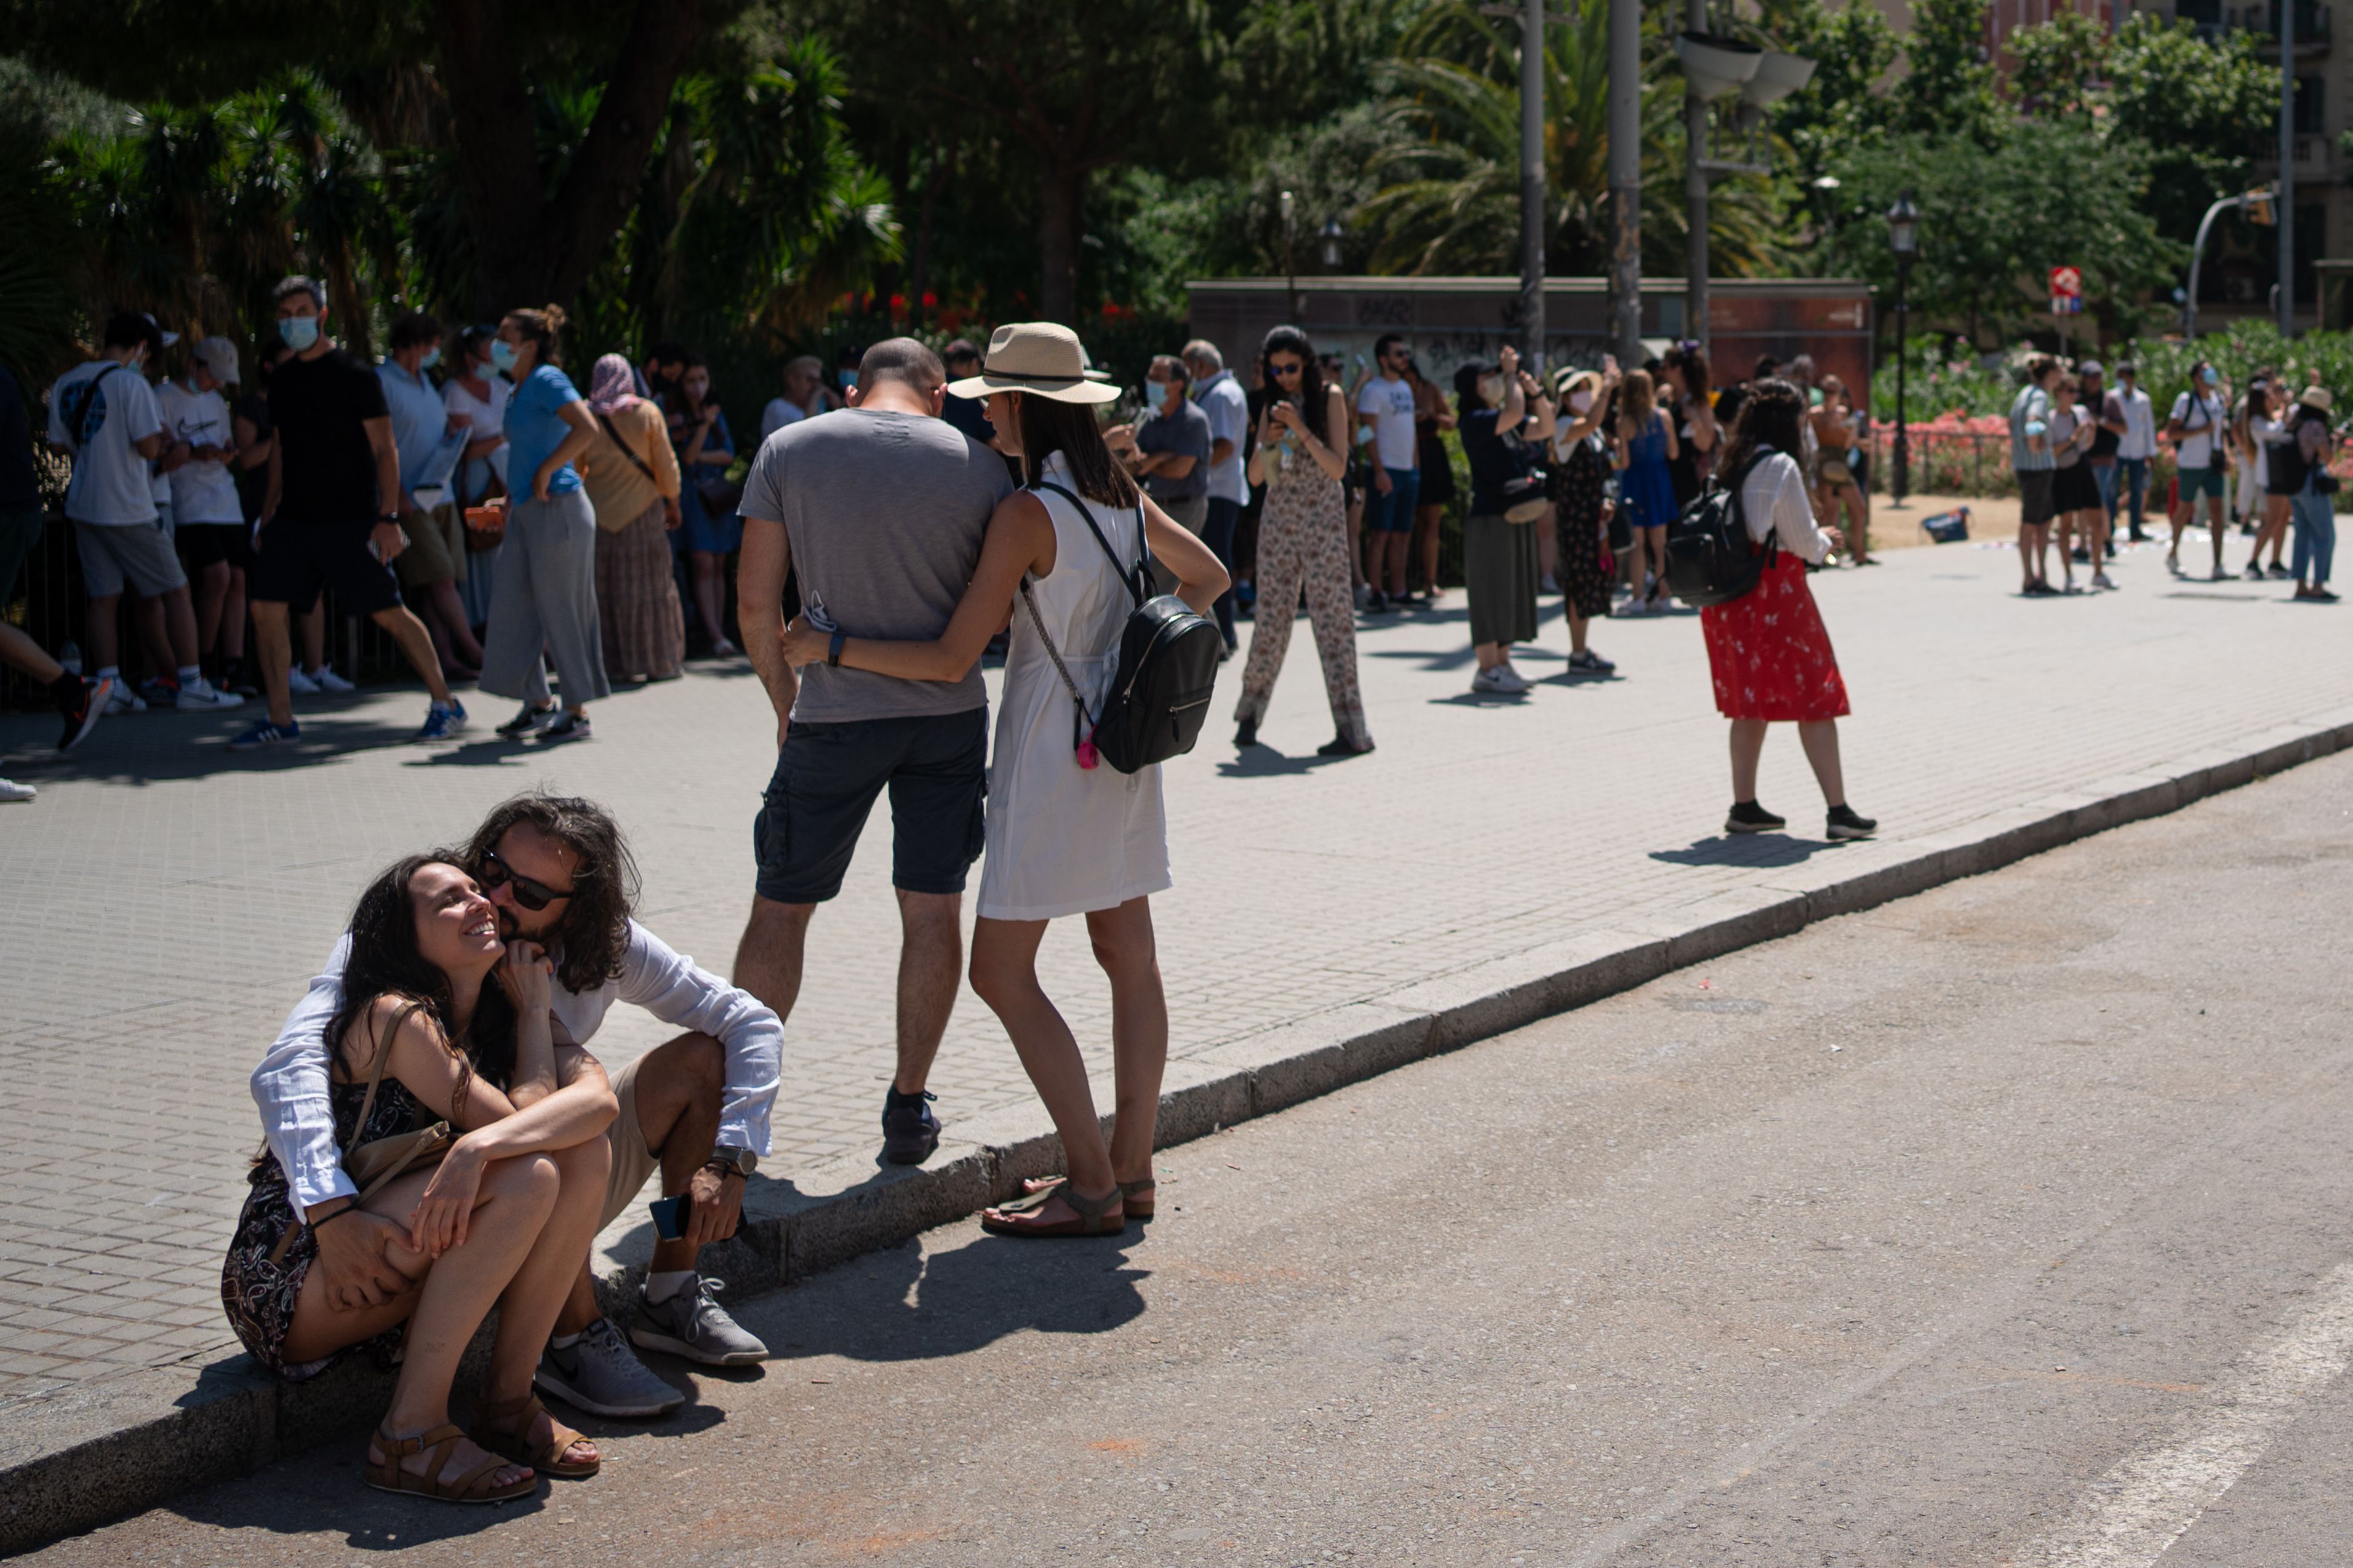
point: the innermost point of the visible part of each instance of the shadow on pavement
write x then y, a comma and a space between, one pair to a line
1745, 850
1261, 761
153, 748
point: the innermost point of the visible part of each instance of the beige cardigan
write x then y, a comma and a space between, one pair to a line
616, 487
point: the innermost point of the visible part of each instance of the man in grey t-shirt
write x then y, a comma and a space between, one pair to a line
1169, 451
879, 508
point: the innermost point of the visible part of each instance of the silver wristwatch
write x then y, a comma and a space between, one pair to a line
733, 1160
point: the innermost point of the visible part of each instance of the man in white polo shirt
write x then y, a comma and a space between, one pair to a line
1222, 399
104, 413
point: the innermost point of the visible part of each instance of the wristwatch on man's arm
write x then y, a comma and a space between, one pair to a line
729, 1160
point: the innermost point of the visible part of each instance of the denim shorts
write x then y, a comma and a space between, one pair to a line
827, 779
1393, 513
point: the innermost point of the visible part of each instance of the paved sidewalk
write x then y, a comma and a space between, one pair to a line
168, 898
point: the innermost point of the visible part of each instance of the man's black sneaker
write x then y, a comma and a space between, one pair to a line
81, 701
1748, 817
1845, 824
910, 1131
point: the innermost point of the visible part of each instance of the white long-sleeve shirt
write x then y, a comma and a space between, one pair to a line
1773, 498
299, 1120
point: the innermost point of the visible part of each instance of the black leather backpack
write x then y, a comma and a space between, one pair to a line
1711, 560
1169, 657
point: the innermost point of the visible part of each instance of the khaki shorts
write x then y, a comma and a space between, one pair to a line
139, 553
633, 1163
436, 548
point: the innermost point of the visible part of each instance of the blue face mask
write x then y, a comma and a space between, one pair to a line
432, 357
298, 333
2211, 377
502, 354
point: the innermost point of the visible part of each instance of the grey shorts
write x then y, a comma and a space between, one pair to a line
141, 552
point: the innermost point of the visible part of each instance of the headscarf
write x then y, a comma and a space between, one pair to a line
612, 385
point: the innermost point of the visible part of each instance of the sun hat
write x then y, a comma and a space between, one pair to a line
1566, 382
217, 355
2319, 397
1043, 357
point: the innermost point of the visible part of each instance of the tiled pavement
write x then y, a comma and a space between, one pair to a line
166, 899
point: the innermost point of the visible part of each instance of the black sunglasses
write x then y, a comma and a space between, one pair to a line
532, 896
1293, 368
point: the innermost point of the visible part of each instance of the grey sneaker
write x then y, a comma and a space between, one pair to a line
601, 1375
692, 1324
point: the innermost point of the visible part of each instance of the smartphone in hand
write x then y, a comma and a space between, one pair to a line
669, 1217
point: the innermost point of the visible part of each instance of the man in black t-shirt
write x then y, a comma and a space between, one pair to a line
331, 518
79, 702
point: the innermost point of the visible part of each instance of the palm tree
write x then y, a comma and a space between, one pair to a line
1453, 205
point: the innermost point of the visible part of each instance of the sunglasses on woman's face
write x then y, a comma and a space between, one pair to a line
1284, 367
532, 896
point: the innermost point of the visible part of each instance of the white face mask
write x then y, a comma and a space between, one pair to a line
1580, 400
1491, 390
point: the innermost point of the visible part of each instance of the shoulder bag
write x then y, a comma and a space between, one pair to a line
1169, 657
372, 1165
614, 435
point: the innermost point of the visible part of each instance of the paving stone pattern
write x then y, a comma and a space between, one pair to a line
167, 898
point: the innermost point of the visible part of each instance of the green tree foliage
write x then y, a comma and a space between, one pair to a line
1841, 105
1950, 88
1994, 220
2061, 64
2201, 108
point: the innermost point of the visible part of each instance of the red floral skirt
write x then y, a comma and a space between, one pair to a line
1769, 653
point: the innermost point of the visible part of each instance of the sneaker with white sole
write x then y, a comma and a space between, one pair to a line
161, 692
1491, 683
530, 718
326, 680
265, 734
693, 1325
1585, 661
443, 721
300, 684
2101, 580
11, 790
82, 713
1513, 681
204, 694
600, 1373
123, 699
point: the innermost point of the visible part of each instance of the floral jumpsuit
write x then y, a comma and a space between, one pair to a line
1303, 539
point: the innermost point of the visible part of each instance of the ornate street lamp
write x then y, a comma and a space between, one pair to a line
1331, 235
1903, 239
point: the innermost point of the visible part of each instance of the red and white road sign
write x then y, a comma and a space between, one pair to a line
2067, 290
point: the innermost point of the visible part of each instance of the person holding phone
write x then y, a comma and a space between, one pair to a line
1303, 540
441, 1020
712, 530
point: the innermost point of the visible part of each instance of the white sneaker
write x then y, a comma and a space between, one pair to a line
125, 700
1513, 681
325, 679
2100, 579
202, 693
299, 684
11, 790
1491, 683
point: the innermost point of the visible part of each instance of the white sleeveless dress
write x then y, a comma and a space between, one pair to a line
1064, 839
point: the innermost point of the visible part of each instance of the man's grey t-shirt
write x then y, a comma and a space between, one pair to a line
885, 512
1185, 432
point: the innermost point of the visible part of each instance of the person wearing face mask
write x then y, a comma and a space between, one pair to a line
331, 516
433, 563
1574, 481
208, 523
2127, 414
1169, 451
476, 394
1501, 405
105, 414
2196, 426
546, 599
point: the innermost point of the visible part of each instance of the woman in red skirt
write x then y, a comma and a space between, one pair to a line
1768, 650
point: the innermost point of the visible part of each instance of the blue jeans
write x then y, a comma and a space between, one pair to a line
1218, 533
1393, 513
2135, 473
2315, 534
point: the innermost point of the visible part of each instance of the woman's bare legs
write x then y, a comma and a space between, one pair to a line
1130, 955
529, 1305
457, 1290
1819, 738
1656, 538
710, 596
1577, 625
1748, 746
1005, 975
1426, 522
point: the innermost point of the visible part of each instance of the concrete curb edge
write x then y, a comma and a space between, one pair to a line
100, 1451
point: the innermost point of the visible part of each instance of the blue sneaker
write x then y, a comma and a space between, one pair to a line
265, 733
443, 721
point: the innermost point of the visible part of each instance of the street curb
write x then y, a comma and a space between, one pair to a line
95, 1452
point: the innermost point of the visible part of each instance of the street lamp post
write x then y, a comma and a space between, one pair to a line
1331, 235
1290, 264
1904, 238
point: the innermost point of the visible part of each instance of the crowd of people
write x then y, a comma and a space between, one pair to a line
2082, 452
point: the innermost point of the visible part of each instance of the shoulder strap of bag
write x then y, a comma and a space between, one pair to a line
90, 403
643, 468
1132, 577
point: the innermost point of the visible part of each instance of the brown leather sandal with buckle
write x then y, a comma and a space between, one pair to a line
1096, 1217
1137, 1197
502, 1426
385, 1474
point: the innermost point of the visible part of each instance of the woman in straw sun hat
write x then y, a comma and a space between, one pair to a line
1065, 836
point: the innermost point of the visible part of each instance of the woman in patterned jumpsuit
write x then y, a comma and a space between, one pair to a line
1303, 540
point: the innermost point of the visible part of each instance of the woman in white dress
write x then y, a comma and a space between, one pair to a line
1066, 835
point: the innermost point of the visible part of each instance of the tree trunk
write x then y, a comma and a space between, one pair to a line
919, 254
531, 249
1060, 193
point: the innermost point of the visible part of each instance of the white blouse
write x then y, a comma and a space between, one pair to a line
1773, 498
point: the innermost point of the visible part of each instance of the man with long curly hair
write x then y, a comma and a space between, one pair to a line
695, 1108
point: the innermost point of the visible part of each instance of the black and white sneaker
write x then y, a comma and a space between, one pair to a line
525, 722
1748, 817
910, 1131
569, 727
1845, 825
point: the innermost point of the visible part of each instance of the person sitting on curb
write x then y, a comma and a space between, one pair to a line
559, 874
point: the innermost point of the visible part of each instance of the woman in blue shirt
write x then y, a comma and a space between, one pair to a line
705, 448
545, 596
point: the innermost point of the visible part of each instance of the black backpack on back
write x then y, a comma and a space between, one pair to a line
1169, 657
1711, 560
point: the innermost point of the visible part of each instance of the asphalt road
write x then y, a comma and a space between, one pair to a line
2004, 1225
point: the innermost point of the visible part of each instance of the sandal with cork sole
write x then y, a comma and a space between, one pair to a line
1096, 1217
503, 1428
385, 1474
1137, 1197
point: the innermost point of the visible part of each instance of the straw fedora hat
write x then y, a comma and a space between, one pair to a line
1565, 383
1039, 357
2319, 397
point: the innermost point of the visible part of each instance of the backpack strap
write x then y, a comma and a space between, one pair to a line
1135, 577
82, 431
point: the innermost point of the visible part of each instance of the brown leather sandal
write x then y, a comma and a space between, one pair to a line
1136, 1195
386, 1475
501, 1427
1094, 1215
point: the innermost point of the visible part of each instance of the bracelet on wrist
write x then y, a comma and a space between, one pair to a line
315, 1224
